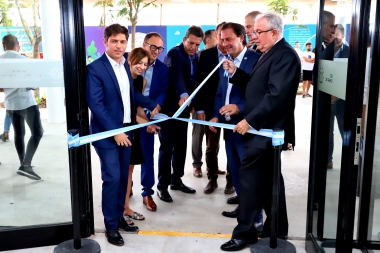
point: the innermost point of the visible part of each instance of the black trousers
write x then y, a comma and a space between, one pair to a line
256, 180
32, 117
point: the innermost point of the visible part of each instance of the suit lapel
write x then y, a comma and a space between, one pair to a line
244, 60
154, 77
111, 72
266, 56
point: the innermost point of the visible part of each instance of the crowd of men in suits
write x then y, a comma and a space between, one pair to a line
255, 87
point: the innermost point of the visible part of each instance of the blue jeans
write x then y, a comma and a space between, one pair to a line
7, 123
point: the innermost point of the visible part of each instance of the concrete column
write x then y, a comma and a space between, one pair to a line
51, 43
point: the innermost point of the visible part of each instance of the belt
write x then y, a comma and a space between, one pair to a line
127, 124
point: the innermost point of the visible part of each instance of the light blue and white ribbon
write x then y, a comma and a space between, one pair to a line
75, 141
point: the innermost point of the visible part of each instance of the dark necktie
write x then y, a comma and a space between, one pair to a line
191, 57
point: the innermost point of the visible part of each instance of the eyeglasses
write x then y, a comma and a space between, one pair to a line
257, 33
154, 48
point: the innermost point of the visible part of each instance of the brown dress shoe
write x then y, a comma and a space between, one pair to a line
197, 172
330, 165
221, 172
149, 202
211, 186
229, 188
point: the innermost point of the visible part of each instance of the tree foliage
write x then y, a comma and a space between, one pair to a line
5, 6
130, 10
32, 32
105, 4
283, 7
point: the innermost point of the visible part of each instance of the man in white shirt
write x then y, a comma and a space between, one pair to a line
21, 106
308, 58
112, 100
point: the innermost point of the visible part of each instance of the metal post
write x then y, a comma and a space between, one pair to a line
77, 244
273, 244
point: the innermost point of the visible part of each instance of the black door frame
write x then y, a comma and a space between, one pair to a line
359, 35
74, 65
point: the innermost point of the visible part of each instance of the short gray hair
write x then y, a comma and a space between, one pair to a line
274, 21
327, 16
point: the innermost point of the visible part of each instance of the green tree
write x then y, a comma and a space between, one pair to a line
131, 9
104, 4
283, 7
5, 6
34, 36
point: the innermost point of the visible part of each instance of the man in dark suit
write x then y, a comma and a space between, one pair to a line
270, 101
111, 99
229, 100
182, 61
157, 77
337, 105
212, 144
204, 107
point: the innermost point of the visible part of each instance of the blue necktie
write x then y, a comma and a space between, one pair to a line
191, 57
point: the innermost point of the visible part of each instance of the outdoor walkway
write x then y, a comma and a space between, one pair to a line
193, 223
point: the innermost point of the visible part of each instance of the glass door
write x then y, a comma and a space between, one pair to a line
339, 72
41, 99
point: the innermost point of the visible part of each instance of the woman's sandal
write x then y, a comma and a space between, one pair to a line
129, 220
136, 216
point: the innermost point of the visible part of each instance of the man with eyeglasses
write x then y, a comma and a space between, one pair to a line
270, 95
182, 61
157, 77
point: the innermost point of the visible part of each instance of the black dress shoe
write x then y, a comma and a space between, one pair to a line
233, 200
114, 237
164, 195
231, 214
182, 187
123, 225
234, 245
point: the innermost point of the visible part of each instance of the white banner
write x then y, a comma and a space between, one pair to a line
31, 73
332, 76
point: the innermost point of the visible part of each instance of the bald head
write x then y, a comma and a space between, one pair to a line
10, 42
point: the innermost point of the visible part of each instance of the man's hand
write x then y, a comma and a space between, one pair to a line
229, 65
333, 99
213, 129
231, 109
122, 140
155, 111
182, 100
152, 129
250, 42
201, 116
242, 127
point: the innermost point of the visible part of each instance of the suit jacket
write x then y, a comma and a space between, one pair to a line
179, 66
160, 83
345, 52
237, 95
203, 101
270, 94
104, 99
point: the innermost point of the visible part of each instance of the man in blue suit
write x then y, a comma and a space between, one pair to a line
111, 99
229, 100
157, 77
182, 61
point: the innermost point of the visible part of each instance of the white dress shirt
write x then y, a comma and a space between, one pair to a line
123, 80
